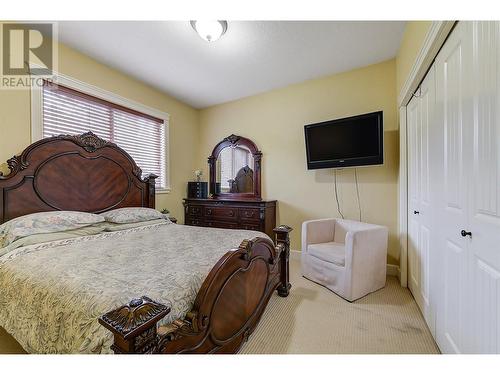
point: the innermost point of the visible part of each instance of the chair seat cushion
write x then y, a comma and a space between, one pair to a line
331, 252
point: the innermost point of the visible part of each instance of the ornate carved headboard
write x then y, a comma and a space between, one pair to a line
77, 173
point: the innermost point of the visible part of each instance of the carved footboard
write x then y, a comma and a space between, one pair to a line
227, 308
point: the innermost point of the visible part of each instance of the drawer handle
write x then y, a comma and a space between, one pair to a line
416, 212
231, 213
209, 211
249, 214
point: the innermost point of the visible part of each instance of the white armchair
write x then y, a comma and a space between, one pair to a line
348, 257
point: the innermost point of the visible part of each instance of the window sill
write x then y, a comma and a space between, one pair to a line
163, 191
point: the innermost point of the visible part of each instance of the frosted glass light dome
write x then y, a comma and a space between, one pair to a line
209, 30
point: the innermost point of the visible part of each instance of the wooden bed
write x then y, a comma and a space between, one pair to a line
87, 173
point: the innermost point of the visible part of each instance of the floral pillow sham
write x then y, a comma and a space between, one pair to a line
131, 215
45, 222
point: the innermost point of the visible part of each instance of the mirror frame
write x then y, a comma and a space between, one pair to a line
232, 141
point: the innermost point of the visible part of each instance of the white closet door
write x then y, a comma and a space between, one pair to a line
420, 118
454, 116
454, 185
427, 210
413, 126
484, 242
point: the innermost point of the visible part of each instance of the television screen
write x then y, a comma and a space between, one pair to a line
348, 142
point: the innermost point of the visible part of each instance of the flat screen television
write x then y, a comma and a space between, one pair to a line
347, 142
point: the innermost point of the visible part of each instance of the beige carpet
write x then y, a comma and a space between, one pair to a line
314, 320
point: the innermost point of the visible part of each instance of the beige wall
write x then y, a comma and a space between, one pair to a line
275, 121
413, 38
15, 119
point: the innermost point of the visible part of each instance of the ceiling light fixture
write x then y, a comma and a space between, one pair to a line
209, 30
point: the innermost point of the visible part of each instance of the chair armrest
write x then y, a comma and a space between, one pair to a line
366, 259
317, 231
366, 244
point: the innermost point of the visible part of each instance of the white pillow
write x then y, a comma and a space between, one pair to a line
131, 215
45, 222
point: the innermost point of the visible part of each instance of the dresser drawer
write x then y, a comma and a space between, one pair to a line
256, 215
250, 226
249, 213
193, 221
221, 224
194, 210
221, 212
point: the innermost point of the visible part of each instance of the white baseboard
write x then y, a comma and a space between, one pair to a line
392, 269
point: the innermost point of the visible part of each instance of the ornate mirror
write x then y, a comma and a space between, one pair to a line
235, 169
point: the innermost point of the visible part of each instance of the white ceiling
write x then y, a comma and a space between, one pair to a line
252, 57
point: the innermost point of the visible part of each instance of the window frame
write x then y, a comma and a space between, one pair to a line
72, 83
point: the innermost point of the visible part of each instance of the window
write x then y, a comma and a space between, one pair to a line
68, 111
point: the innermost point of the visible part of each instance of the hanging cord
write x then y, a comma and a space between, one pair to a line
357, 191
336, 193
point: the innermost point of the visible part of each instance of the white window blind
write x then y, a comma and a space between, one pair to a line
67, 111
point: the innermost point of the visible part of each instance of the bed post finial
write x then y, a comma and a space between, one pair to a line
283, 238
150, 180
134, 326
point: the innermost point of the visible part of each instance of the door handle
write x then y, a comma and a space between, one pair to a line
416, 212
464, 233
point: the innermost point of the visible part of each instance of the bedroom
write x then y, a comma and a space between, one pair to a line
254, 89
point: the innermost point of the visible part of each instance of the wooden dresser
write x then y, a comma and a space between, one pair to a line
256, 215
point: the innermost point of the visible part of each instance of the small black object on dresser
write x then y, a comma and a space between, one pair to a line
197, 189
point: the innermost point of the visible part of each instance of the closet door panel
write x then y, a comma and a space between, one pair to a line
413, 124
419, 119
426, 213
485, 188
452, 114
486, 307
454, 174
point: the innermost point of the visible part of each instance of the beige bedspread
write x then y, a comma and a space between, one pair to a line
51, 294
